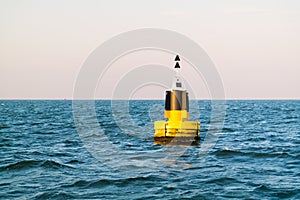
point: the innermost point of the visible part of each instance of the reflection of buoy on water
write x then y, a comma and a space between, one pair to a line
176, 128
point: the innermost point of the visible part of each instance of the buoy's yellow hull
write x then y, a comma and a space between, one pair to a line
177, 129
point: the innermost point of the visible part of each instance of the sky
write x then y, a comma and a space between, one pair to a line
254, 44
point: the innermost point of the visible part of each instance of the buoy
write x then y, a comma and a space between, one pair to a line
177, 128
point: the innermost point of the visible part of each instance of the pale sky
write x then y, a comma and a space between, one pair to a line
255, 44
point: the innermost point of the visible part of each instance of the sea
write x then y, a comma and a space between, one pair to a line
62, 149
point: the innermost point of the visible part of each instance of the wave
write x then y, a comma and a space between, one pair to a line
53, 164
118, 182
44, 133
22, 165
54, 195
223, 180
27, 164
278, 193
228, 130
3, 126
223, 153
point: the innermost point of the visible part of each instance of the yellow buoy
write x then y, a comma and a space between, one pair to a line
177, 128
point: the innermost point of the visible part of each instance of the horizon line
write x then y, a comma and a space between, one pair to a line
123, 99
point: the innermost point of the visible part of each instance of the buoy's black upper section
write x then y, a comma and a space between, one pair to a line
177, 100
177, 58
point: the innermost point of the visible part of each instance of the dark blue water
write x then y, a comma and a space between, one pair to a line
43, 156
